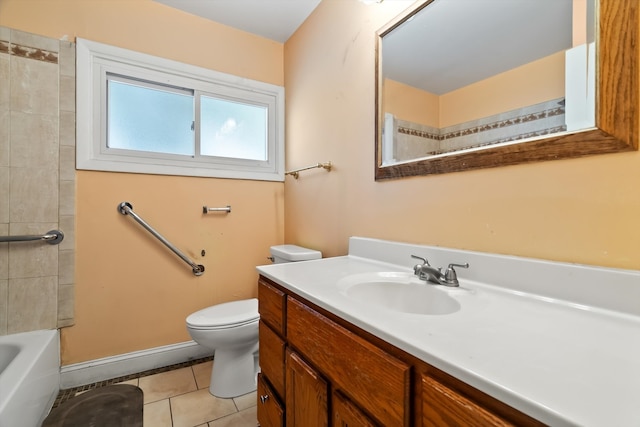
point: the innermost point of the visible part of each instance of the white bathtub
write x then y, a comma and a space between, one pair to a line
29, 377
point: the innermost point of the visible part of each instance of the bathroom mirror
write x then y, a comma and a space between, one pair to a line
468, 84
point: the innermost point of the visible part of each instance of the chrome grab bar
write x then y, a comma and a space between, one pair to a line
125, 208
52, 237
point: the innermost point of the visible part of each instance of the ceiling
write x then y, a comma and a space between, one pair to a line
453, 43
273, 19
507, 33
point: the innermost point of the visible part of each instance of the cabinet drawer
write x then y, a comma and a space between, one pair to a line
372, 378
442, 406
272, 306
270, 412
272, 357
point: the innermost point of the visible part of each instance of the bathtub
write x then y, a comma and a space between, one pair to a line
29, 377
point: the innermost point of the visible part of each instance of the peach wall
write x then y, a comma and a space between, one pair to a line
412, 104
579, 210
579, 33
153, 28
131, 292
530, 84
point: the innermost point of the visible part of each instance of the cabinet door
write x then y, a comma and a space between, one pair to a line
347, 414
270, 412
306, 394
375, 380
442, 406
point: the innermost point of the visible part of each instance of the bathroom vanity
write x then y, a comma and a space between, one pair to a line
359, 340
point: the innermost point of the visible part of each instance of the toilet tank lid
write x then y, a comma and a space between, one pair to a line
295, 253
225, 314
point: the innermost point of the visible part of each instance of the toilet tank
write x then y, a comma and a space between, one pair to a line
293, 253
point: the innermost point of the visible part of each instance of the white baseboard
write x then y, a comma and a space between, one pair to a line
129, 363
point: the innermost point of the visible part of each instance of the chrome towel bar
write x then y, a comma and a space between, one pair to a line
52, 237
125, 208
296, 173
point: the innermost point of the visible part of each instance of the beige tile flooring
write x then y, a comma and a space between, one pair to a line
181, 398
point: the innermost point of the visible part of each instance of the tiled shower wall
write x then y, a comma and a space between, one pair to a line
37, 180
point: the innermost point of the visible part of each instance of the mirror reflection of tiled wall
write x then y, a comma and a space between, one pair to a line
414, 140
37, 180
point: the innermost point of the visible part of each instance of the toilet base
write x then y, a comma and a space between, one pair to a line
234, 373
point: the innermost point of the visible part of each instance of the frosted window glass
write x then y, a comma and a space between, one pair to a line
149, 119
233, 129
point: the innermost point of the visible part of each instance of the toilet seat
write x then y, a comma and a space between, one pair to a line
226, 315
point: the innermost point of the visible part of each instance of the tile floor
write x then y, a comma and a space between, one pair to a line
180, 398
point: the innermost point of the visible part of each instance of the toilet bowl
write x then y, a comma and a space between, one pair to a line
231, 331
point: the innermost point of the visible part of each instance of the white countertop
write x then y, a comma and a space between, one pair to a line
567, 355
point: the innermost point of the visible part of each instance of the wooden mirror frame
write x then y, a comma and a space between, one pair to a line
617, 98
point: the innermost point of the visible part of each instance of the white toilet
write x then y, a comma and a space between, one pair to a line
231, 331
293, 253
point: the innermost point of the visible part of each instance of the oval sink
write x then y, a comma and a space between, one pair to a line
401, 292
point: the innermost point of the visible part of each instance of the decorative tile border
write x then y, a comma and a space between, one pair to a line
28, 52
536, 120
506, 123
420, 133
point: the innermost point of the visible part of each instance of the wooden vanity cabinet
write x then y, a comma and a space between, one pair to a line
272, 306
447, 401
372, 379
295, 381
319, 370
271, 380
307, 394
272, 356
270, 410
346, 414
443, 406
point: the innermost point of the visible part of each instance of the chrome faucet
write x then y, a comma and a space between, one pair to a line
434, 275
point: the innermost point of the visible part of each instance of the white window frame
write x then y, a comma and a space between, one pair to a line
94, 60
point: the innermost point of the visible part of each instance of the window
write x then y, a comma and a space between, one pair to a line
144, 114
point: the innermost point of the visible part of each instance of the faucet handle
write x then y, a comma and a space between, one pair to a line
418, 267
424, 260
465, 265
450, 275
